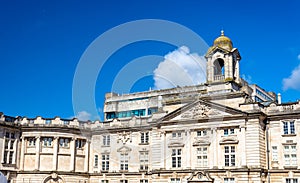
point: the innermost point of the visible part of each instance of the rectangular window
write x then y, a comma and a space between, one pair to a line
229, 153
79, 143
201, 133
202, 157
289, 127
5, 156
9, 150
64, 142
228, 131
96, 160
123, 181
144, 137
229, 180
143, 181
105, 162
31, 142
124, 161
274, 153
10, 157
106, 140
290, 155
47, 141
104, 181
144, 160
176, 134
175, 180
7, 141
176, 158
291, 180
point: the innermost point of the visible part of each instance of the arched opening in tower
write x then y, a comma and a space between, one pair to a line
219, 70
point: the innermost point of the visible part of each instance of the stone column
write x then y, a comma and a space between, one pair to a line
37, 155
163, 149
215, 146
86, 157
3, 150
237, 70
188, 148
22, 158
55, 152
243, 148
72, 151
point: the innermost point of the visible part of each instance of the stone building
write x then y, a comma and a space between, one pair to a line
223, 131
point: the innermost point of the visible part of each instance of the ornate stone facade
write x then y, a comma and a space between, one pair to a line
224, 131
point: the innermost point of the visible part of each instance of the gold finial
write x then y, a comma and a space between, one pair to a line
222, 32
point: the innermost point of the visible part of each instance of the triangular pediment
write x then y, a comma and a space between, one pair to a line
124, 149
200, 176
215, 49
201, 110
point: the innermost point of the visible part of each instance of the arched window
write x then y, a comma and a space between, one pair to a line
219, 67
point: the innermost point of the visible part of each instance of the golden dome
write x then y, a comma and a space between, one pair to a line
223, 42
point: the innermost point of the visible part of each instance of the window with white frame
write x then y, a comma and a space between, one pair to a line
47, 141
105, 162
31, 142
288, 127
144, 160
79, 143
96, 160
228, 131
229, 180
175, 180
201, 133
176, 135
274, 153
124, 161
144, 137
106, 140
9, 150
291, 180
176, 158
290, 155
144, 181
202, 156
229, 153
104, 181
123, 181
64, 142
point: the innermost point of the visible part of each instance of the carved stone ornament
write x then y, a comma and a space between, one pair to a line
198, 111
124, 137
53, 178
200, 176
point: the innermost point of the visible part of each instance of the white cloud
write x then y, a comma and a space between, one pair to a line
298, 57
180, 68
293, 81
83, 116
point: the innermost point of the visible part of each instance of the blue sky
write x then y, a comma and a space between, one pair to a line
41, 43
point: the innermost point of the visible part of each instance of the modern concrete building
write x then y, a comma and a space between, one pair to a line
223, 131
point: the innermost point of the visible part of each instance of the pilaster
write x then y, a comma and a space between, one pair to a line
37, 155
55, 151
86, 157
73, 151
22, 158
